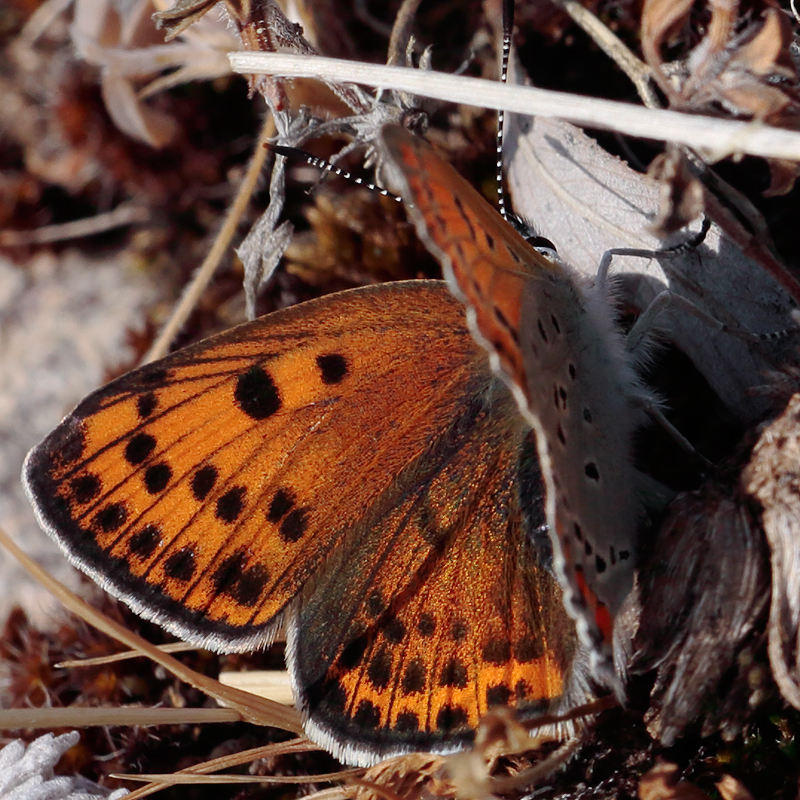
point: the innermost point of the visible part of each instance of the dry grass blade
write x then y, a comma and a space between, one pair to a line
222, 242
126, 214
721, 137
173, 647
301, 745
177, 778
253, 709
81, 717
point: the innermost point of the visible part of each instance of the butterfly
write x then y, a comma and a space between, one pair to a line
551, 334
349, 468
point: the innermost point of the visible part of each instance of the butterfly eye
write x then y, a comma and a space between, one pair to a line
543, 246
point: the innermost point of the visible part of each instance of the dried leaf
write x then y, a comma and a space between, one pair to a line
184, 13
588, 201
661, 19
732, 789
148, 125
734, 70
773, 479
661, 783
704, 589
767, 54
783, 174
682, 196
410, 777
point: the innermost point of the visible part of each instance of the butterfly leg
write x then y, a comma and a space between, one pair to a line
666, 299
657, 415
646, 322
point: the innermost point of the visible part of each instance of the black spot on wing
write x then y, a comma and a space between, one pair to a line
139, 448
294, 525
282, 503
333, 368
85, 488
231, 504
145, 541
203, 481
256, 394
146, 404
111, 517
157, 477
181, 565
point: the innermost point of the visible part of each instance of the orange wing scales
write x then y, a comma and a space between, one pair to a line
353, 465
199, 480
488, 272
445, 611
553, 336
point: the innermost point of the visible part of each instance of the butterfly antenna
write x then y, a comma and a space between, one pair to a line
508, 29
296, 154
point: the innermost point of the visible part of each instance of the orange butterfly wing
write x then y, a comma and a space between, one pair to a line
557, 346
491, 264
447, 607
353, 455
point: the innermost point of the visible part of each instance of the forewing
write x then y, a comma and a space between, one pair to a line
205, 489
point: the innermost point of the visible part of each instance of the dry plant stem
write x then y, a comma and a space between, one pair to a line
222, 242
173, 647
82, 717
581, 712
721, 137
544, 769
229, 761
401, 32
42, 19
126, 214
251, 708
637, 71
177, 778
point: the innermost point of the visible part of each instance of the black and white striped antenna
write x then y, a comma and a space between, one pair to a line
296, 154
508, 31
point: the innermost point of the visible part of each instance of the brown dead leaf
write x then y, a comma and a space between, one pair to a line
682, 195
661, 783
783, 174
411, 777
661, 20
773, 479
731, 788
742, 66
704, 592
184, 13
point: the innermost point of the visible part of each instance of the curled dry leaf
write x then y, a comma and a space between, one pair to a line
704, 591
412, 777
128, 50
773, 479
743, 66
682, 196
735, 64
732, 789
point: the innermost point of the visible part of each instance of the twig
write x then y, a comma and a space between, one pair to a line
721, 137
209, 266
126, 214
